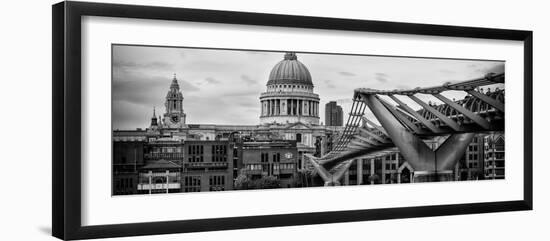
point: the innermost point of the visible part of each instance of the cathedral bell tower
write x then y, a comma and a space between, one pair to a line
174, 117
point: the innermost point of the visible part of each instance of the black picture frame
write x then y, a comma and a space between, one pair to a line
66, 127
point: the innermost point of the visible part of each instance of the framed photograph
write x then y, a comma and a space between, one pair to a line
172, 120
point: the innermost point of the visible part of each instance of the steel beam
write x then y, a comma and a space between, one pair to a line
471, 115
415, 151
341, 170
439, 115
323, 173
400, 116
360, 144
367, 140
357, 148
451, 150
490, 101
416, 115
374, 136
375, 125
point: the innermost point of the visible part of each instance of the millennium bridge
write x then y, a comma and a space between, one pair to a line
399, 127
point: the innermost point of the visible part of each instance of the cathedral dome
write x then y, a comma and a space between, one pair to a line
290, 71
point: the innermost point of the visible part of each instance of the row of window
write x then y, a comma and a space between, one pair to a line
124, 183
264, 157
291, 86
391, 166
193, 183
191, 149
496, 155
284, 166
281, 166
195, 149
219, 159
217, 183
392, 157
167, 150
219, 150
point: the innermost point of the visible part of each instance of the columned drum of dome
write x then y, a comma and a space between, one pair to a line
289, 97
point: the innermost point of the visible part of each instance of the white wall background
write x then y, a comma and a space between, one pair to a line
25, 97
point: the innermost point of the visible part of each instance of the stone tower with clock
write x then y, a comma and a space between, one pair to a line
174, 117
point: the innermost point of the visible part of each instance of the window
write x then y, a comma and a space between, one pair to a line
277, 157
217, 183
264, 157
219, 153
192, 184
195, 153
298, 137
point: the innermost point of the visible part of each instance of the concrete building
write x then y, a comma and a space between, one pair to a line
334, 116
290, 114
494, 156
483, 159
387, 169
160, 176
127, 161
470, 166
207, 166
278, 158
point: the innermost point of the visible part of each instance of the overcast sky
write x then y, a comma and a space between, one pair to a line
223, 86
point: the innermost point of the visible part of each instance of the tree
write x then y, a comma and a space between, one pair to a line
242, 182
267, 182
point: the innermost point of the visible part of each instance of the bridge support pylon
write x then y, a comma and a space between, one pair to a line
330, 179
421, 157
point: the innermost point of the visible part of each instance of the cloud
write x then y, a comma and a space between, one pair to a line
497, 68
344, 101
255, 52
144, 90
243, 93
138, 90
329, 83
186, 86
148, 65
381, 77
248, 104
248, 80
345, 73
130, 116
211, 80
403, 87
447, 71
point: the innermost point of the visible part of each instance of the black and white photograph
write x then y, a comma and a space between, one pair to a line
275, 120
192, 119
